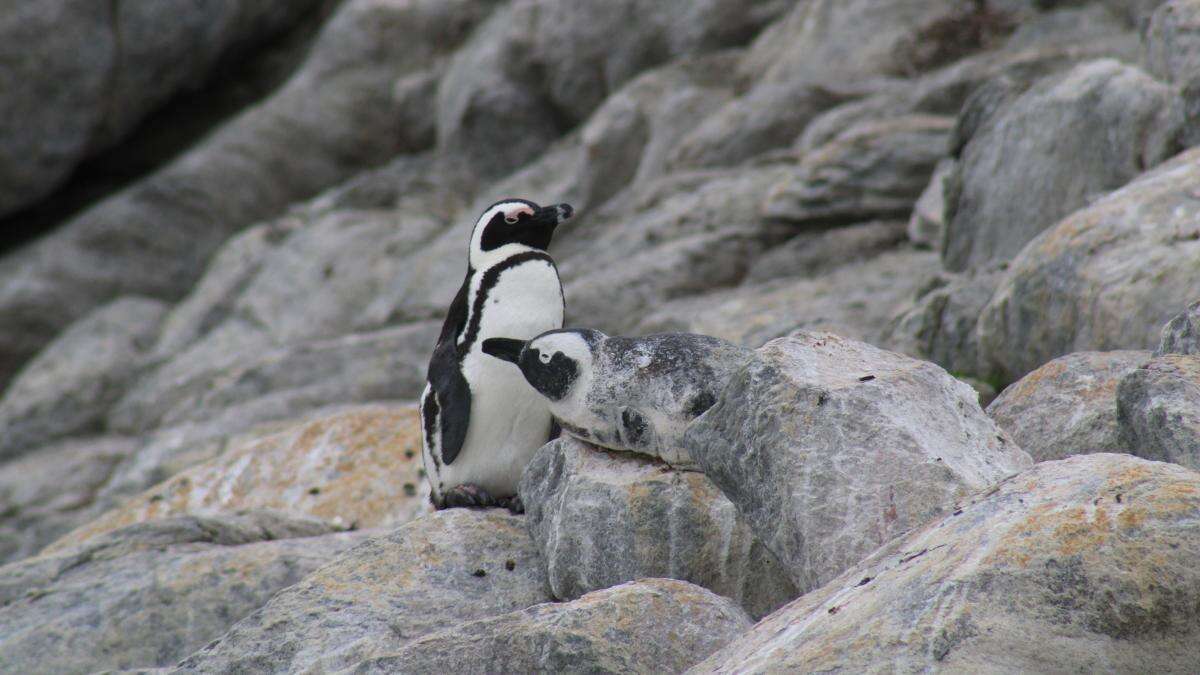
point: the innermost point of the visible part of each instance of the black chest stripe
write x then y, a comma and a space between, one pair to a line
487, 283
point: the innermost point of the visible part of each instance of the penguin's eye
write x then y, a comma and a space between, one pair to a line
511, 220
544, 357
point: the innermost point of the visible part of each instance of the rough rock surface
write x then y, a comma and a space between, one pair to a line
150, 594
1050, 571
1159, 407
1068, 406
71, 385
601, 518
122, 60
830, 447
927, 225
942, 324
358, 468
431, 574
1029, 158
1172, 41
645, 626
1106, 277
1181, 335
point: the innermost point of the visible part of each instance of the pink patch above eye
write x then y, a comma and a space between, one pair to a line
512, 215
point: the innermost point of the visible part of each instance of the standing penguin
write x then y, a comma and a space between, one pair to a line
481, 421
637, 394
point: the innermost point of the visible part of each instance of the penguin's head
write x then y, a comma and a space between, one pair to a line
557, 363
512, 225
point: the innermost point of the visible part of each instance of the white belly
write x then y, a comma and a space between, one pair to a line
509, 420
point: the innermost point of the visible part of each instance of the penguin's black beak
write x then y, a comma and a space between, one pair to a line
506, 349
552, 216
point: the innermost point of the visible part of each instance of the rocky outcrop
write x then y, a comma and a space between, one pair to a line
1076, 287
1047, 571
359, 468
942, 325
1008, 187
1159, 407
1181, 335
1171, 45
830, 447
1068, 406
150, 594
602, 518
646, 626
432, 574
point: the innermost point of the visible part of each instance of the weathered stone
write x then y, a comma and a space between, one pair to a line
433, 573
941, 326
1171, 42
1159, 408
871, 170
45, 494
1107, 277
335, 116
80, 76
1068, 406
830, 447
645, 626
856, 300
70, 387
927, 225
1009, 187
1085, 564
1181, 335
812, 254
150, 594
358, 468
602, 518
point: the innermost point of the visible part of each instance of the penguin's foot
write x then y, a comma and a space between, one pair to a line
467, 496
514, 504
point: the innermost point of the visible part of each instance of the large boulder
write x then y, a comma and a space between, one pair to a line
429, 575
830, 447
645, 626
876, 169
70, 387
1068, 406
1107, 277
1159, 407
1171, 42
152, 593
1009, 186
357, 468
1181, 335
337, 115
601, 518
942, 324
79, 76
1085, 564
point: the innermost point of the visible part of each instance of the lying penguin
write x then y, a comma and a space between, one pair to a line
634, 394
480, 422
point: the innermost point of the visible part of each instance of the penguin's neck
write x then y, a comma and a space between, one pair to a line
481, 260
517, 296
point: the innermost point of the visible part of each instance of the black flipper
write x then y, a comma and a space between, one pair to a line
446, 378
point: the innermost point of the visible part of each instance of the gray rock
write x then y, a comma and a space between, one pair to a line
679, 235
601, 518
1008, 188
830, 447
1159, 409
941, 326
871, 170
812, 254
537, 68
432, 574
1046, 572
1068, 406
45, 494
857, 300
70, 387
334, 117
1181, 335
1107, 277
150, 594
1171, 41
927, 225
645, 626
119, 62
